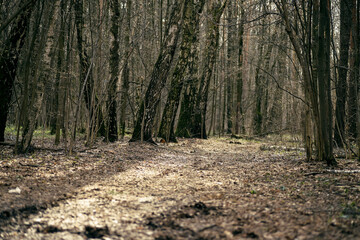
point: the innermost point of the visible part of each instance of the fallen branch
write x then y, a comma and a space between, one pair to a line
7, 144
281, 148
332, 171
28, 165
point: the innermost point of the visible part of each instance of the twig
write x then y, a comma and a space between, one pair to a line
332, 171
28, 165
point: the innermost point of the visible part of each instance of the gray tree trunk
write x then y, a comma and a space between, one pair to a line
146, 115
189, 38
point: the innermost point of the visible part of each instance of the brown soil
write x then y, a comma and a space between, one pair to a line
196, 189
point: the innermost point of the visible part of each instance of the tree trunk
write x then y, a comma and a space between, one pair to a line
145, 119
308, 126
8, 64
86, 77
358, 72
308, 69
34, 77
186, 116
353, 81
190, 31
231, 37
239, 127
274, 120
212, 42
265, 83
60, 90
325, 145
345, 28
125, 71
83, 57
114, 73
258, 116
213, 105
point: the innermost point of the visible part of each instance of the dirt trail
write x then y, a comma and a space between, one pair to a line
197, 189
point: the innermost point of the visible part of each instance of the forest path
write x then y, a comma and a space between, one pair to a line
200, 189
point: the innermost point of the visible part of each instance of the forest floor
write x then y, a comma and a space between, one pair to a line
219, 188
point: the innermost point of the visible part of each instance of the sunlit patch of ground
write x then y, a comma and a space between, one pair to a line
196, 189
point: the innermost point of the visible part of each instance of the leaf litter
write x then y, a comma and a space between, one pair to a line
196, 189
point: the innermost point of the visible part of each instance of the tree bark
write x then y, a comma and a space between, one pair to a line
60, 90
8, 64
308, 69
239, 127
341, 85
231, 39
259, 88
86, 75
325, 145
198, 128
146, 115
34, 76
112, 135
353, 80
190, 31
358, 72
125, 71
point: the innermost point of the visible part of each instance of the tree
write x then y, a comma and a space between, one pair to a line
261, 82
112, 134
341, 85
197, 113
32, 75
125, 71
353, 76
86, 76
358, 72
231, 59
189, 38
60, 89
239, 128
318, 89
9, 61
325, 121
145, 120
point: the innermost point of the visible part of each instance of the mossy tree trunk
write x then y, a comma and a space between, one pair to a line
190, 31
143, 130
189, 94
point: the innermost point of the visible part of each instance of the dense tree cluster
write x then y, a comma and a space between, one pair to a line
188, 68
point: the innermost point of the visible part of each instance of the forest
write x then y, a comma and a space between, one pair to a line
179, 119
